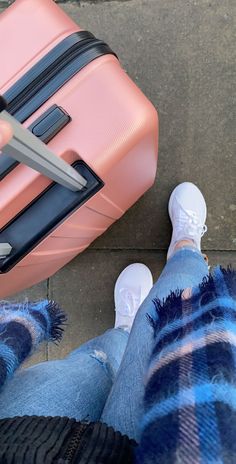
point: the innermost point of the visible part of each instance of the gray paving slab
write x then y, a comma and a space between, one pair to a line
85, 287
181, 54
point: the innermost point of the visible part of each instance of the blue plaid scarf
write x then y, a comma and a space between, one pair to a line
22, 328
190, 396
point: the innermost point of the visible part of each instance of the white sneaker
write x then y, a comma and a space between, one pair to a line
187, 211
131, 288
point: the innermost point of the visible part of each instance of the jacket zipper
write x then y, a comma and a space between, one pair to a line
74, 443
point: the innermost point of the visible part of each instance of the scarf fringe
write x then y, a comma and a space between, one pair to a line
208, 284
57, 321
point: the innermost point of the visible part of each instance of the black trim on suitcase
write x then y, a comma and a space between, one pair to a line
45, 78
51, 74
43, 215
57, 54
7, 165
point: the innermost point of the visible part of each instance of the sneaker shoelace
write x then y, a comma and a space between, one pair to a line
190, 224
129, 301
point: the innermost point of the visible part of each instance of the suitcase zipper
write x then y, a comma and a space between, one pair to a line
41, 73
45, 78
52, 72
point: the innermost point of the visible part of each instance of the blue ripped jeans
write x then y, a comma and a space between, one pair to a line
104, 378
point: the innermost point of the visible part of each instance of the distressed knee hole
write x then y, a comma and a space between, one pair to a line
99, 356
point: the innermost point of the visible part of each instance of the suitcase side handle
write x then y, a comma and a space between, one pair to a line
26, 148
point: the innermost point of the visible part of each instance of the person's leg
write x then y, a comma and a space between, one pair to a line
78, 386
123, 409
185, 268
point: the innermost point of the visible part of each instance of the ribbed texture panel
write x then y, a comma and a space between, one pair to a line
103, 445
51, 440
33, 439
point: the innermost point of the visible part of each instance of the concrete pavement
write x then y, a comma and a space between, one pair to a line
181, 54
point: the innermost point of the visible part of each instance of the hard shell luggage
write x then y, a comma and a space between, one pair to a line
69, 89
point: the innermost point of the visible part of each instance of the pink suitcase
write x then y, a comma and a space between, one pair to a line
70, 90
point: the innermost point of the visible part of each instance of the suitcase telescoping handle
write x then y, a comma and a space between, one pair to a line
28, 149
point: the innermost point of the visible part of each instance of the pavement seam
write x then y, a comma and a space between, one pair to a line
155, 250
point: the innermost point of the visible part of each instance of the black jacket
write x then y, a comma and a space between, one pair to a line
59, 440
